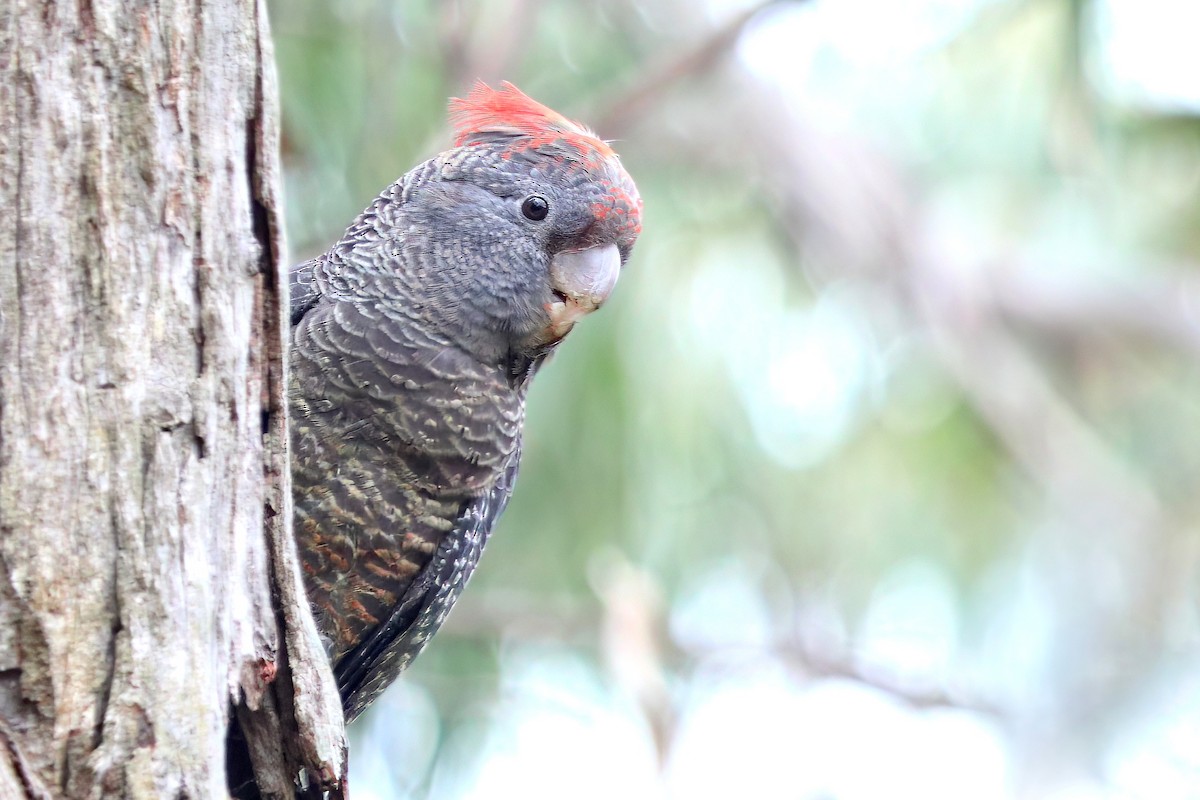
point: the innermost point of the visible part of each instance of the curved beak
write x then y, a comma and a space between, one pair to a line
582, 280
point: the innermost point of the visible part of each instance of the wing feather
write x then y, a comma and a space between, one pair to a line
371, 666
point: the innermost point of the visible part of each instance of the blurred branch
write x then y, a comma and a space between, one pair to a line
1041, 429
485, 45
617, 115
1158, 310
452, 36
622, 628
920, 694
852, 206
1104, 512
634, 640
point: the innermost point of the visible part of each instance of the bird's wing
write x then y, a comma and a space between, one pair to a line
302, 290
367, 670
304, 286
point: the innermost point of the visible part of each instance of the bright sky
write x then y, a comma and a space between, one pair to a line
1149, 51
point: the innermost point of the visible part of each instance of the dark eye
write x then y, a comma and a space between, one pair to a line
535, 208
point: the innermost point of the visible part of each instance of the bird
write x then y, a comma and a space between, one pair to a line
413, 342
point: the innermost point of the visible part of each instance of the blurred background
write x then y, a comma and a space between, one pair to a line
878, 477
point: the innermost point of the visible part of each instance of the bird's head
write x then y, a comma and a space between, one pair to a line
532, 217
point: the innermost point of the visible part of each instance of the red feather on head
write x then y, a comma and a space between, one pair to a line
510, 112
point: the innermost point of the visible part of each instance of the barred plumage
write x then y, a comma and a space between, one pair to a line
413, 342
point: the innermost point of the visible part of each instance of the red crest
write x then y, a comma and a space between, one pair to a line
508, 111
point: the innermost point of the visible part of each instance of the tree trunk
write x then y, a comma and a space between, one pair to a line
142, 419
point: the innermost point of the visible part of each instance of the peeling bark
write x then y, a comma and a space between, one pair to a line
147, 574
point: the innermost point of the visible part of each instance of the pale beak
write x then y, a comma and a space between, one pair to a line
582, 280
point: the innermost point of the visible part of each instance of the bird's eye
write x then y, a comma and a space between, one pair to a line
535, 208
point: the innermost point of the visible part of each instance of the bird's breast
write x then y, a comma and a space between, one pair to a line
390, 442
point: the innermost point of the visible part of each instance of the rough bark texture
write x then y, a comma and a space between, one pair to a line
142, 438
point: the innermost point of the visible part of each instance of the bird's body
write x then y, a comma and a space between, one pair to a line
413, 343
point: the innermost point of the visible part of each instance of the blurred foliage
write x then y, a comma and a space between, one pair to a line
898, 393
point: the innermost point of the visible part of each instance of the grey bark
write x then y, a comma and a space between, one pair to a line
144, 497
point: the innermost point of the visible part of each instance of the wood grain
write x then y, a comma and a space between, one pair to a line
142, 431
